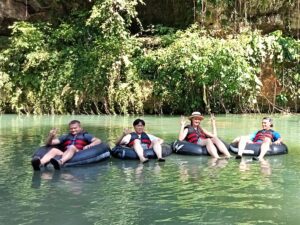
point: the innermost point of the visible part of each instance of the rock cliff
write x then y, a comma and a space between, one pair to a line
265, 15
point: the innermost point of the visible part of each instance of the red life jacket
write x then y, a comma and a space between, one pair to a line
262, 134
193, 135
144, 139
78, 140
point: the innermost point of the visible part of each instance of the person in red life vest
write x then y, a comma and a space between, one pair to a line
76, 140
194, 133
139, 140
266, 137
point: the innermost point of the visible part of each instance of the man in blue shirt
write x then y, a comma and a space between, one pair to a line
266, 137
75, 141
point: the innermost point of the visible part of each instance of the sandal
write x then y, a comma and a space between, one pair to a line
238, 157
36, 162
56, 163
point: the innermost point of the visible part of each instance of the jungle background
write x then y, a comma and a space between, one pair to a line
151, 56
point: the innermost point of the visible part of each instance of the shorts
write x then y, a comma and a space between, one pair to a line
144, 146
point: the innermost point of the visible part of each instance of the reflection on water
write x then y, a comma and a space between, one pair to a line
265, 167
183, 190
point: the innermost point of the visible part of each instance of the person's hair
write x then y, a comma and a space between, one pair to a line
269, 119
137, 121
74, 122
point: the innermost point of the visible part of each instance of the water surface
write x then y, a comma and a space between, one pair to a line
183, 190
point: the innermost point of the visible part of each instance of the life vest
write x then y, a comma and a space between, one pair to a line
79, 141
144, 139
193, 135
262, 134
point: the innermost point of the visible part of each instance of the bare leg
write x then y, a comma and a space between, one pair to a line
158, 150
211, 148
265, 146
139, 150
220, 145
51, 154
68, 154
242, 144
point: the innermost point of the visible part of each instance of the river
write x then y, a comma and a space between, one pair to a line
183, 190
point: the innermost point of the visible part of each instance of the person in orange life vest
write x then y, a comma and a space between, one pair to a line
194, 133
73, 142
266, 137
139, 140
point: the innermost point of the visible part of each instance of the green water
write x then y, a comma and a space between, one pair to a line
183, 190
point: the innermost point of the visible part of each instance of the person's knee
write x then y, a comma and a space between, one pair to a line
236, 140
244, 138
55, 151
209, 141
215, 140
137, 141
72, 148
267, 141
155, 143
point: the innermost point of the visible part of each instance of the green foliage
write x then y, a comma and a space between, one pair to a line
76, 67
91, 63
213, 74
286, 64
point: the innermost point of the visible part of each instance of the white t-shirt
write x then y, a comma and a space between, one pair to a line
127, 138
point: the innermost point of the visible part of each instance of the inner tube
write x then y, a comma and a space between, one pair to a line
123, 152
94, 154
187, 148
253, 149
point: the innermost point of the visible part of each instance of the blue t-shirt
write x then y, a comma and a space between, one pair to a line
276, 136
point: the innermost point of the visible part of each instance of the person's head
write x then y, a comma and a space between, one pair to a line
196, 118
267, 123
139, 126
74, 127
